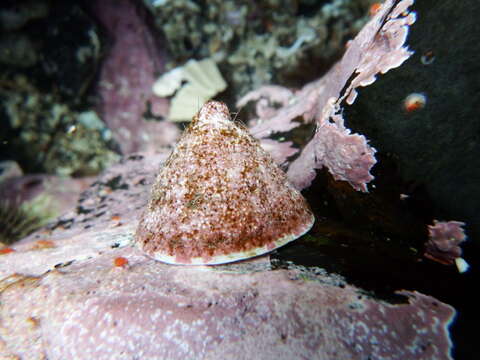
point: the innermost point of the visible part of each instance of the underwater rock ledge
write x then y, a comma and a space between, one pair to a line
71, 298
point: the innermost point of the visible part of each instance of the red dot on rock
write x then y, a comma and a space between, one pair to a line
120, 261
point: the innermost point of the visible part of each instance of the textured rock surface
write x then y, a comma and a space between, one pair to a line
148, 310
67, 300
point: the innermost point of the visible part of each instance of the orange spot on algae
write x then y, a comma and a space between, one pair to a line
375, 8
115, 221
33, 321
43, 244
414, 102
120, 261
6, 250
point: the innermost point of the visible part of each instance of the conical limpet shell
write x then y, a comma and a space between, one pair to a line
220, 197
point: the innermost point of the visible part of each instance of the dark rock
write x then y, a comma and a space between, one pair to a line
437, 147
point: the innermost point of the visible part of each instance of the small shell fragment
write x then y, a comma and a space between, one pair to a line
193, 84
462, 265
414, 102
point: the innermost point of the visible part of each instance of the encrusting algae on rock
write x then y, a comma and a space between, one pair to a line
220, 197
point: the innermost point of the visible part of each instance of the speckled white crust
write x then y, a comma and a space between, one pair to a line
149, 310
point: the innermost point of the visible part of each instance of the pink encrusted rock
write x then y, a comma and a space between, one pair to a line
133, 61
220, 197
70, 300
149, 310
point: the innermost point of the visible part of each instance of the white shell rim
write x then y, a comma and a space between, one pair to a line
236, 256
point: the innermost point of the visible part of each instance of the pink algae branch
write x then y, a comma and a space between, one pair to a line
444, 241
379, 47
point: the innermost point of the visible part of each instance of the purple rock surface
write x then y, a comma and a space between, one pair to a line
128, 72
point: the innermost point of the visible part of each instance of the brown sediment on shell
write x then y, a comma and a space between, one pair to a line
220, 197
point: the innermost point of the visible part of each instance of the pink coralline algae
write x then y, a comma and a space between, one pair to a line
128, 72
378, 48
71, 301
444, 242
94, 310
220, 197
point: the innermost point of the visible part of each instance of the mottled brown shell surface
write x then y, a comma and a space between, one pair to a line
220, 197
